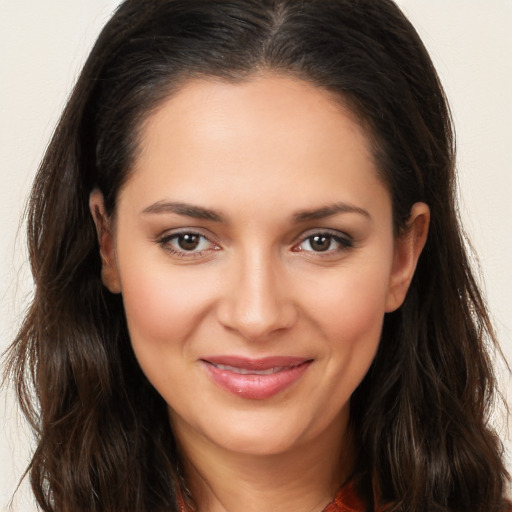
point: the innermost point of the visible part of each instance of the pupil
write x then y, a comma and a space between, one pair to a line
188, 242
320, 243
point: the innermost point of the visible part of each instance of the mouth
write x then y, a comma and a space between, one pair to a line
255, 379
244, 371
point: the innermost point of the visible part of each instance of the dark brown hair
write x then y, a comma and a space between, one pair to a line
420, 416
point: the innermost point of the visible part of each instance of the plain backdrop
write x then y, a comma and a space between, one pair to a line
43, 44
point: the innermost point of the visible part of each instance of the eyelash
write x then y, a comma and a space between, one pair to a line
344, 242
166, 242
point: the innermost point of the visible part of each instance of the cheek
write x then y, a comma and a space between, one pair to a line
163, 311
351, 302
350, 311
163, 305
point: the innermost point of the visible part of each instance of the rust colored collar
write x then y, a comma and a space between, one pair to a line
345, 501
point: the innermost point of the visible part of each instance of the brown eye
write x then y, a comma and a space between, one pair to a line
320, 243
325, 242
188, 241
187, 244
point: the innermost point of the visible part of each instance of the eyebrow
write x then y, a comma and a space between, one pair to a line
199, 212
188, 210
328, 211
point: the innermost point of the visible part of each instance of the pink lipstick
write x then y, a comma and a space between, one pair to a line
255, 379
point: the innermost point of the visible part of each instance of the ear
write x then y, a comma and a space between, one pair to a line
109, 271
408, 247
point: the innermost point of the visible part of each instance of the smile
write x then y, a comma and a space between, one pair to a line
244, 371
255, 379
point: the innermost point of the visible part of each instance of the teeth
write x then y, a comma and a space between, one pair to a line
243, 371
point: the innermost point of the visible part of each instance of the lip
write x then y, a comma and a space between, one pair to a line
255, 379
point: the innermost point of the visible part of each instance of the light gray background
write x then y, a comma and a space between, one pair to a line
43, 44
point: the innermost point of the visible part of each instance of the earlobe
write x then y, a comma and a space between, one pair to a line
109, 271
408, 247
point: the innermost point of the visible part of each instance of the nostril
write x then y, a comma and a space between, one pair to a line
256, 323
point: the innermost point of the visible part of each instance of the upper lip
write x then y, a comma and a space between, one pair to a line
264, 363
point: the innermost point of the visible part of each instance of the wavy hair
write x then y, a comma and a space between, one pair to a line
420, 416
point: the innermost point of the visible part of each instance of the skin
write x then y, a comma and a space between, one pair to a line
259, 154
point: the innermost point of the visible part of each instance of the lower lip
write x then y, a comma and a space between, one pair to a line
256, 387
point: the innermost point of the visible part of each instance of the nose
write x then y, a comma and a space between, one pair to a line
257, 301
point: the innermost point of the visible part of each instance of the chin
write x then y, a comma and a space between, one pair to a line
268, 434
259, 442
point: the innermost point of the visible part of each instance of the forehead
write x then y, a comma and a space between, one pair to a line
210, 109
271, 133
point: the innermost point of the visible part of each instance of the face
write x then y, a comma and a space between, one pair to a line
253, 246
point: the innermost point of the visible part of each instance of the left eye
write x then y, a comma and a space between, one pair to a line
323, 242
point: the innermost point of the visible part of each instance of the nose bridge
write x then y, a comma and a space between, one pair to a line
258, 303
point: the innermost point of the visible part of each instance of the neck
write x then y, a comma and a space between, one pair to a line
303, 479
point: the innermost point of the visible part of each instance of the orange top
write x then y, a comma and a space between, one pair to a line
345, 501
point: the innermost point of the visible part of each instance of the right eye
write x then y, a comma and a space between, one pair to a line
187, 244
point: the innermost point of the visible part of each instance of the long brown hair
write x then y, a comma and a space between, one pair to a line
420, 416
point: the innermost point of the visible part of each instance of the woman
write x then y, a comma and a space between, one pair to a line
251, 287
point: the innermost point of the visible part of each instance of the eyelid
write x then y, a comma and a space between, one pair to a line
346, 241
166, 237
343, 240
